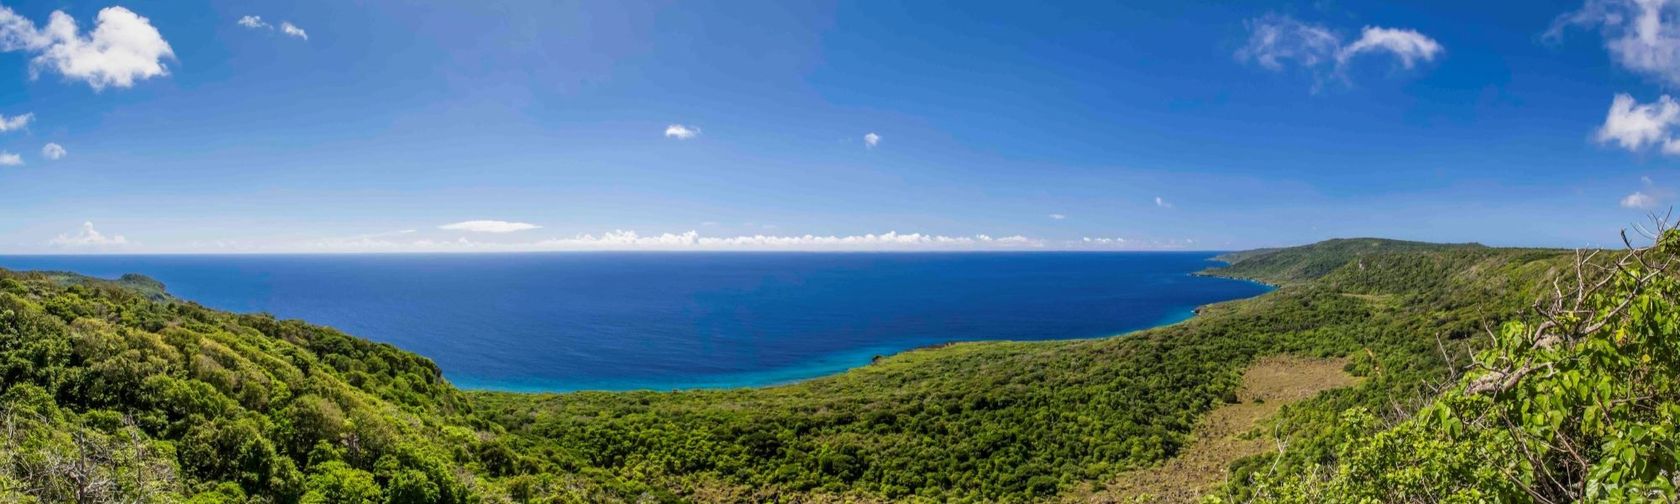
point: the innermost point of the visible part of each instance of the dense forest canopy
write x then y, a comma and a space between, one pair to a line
112, 391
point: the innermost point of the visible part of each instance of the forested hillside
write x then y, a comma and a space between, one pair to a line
1011, 421
112, 391
1579, 400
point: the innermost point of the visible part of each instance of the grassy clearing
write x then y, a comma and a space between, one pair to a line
1222, 437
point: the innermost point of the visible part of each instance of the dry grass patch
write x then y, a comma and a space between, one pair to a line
1268, 386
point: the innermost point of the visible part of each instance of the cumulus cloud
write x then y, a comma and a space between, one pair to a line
9, 159
1641, 35
1276, 42
489, 226
681, 132
53, 151
123, 47
1634, 126
871, 139
87, 236
1639, 200
1648, 197
253, 22
1162, 202
292, 30
14, 123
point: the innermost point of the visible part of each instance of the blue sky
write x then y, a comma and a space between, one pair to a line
478, 126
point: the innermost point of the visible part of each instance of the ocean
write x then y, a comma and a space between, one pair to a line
621, 321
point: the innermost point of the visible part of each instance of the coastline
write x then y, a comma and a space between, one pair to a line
842, 360
832, 365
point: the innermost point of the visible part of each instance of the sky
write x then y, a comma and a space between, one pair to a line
185, 126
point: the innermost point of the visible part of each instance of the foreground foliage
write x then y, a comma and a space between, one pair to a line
110, 392
1580, 401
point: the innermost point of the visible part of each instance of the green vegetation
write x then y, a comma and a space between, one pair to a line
111, 392
1021, 421
1577, 402
161, 400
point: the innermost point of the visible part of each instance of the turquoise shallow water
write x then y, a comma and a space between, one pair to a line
618, 321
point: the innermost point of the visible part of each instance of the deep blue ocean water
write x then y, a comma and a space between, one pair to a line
617, 321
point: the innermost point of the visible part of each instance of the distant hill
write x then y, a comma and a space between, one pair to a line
1308, 262
133, 282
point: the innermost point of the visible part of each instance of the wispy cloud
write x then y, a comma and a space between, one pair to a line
16, 122
9, 159
1641, 35
1057, 216
292, 30
123, 47
286, 27
53, 151
1160, 202
1276, 42
871, 140
88, 236
489, 226
681, 132
253, 22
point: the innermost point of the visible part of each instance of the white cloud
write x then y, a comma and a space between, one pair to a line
1057, 216
687, 241
1408, 45
88, 237
286, 27
253, 22
871, 139
290, 29
1162, 203
15, 122
630, 240
53, 151
681, 132
9, 159
1633, 125
1639, 200
1641, 35
122, 47
1649, 196
1116, 243
1276, 41
489, 226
